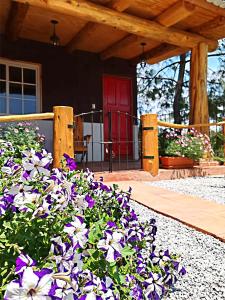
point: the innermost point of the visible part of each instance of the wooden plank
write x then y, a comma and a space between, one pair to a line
208, 6
90, 27
26, 117
63, 135
207, 29
169, 17
150, 149
175, 13
122, 21
160, 53
17, 14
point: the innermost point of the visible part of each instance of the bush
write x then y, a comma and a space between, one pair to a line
191, 144
23, 136
64, 235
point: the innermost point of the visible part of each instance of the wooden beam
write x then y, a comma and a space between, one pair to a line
169, 17
207, 29
208, 6
136, 25
199, 113
17, 14
90, 27
161, 53
175, 13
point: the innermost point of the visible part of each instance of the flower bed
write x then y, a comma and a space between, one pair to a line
64, 235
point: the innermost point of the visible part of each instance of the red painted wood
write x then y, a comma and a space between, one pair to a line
117, 96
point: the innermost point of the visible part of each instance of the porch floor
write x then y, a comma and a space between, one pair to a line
205, 216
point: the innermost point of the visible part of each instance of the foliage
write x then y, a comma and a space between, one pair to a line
23, 136
191, 144
217, 141
65, 235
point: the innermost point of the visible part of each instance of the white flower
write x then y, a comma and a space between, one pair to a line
111, 244
32, 287
77, 231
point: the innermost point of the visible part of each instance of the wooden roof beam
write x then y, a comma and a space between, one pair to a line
208, 6
17, 14
90, 27
209, 26
169, 17
167, 51
135, 25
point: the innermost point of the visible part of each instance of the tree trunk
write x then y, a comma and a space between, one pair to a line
178, 91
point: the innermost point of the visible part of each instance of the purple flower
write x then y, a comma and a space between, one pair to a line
22, 262
31, 286
90, 201
70, 162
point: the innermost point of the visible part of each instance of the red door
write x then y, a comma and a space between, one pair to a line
117, 99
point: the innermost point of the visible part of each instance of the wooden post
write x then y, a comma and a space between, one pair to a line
63, 133
199, 113
150, 149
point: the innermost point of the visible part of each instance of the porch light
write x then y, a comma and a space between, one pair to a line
54, 37
142, 57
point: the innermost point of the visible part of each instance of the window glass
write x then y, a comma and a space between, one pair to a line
29, 92
29, 106
29, 76
2, 71
15, 106
15, 90
2, 88
15, 74
2, 105
18, 87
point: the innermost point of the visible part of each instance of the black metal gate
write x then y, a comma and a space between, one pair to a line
107, 142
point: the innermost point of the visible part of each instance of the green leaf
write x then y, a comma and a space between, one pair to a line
127, 251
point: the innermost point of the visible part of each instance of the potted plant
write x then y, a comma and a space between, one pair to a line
182, 148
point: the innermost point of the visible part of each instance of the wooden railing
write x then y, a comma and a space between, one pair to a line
150, 151
62, 117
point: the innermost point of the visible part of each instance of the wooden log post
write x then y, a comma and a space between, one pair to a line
199, 112
63, 134
150, 149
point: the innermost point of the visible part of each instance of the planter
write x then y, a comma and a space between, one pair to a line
169, 162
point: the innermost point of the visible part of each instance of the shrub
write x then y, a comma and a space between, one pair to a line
64, 235
22, 136
191, 144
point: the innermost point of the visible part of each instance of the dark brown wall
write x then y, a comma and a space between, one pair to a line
68, 79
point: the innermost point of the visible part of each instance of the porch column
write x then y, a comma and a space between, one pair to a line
199, 112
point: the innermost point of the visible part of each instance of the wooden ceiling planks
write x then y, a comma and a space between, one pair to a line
37, 26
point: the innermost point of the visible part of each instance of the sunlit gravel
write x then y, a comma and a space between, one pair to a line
202, 255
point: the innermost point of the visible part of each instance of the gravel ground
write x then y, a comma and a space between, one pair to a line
202, 255
209, 188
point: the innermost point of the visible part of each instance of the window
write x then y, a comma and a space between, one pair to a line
19, 88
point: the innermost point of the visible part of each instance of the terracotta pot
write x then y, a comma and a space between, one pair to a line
169, 162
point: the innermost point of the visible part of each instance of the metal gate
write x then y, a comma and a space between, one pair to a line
107, 142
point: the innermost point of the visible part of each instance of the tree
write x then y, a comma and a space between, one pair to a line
164, 88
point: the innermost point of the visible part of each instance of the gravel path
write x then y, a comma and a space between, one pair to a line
208, 188
202, 255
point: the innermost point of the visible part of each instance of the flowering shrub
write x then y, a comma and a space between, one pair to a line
191, 144
64, 235
23, 136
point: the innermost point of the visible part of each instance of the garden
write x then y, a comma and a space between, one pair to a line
65, 235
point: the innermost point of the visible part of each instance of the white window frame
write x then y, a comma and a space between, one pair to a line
27, 65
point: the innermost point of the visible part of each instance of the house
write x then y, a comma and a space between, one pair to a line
84, 53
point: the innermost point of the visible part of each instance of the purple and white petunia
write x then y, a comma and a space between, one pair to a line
77, 231
31, 286
111, 244
23, 261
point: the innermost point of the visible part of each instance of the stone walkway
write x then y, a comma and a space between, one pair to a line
205, 216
